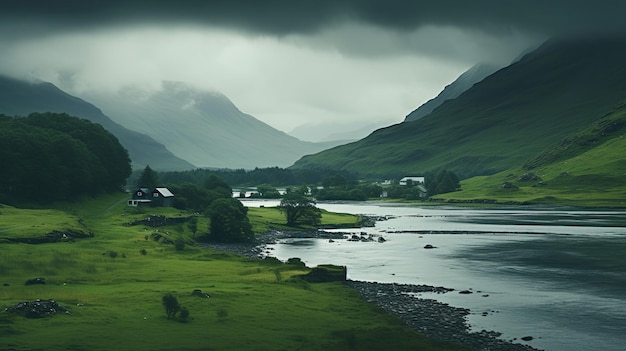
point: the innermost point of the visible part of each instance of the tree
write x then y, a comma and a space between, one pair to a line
170, 303
267, 191
443, 181
148, 179
48, 157
229, 221
298, 208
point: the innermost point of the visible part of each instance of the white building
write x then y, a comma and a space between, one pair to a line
414, 180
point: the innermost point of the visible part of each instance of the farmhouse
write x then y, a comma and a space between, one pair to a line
413, 180
162, 197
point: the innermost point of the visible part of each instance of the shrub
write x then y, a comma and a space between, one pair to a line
183, 317
179, 244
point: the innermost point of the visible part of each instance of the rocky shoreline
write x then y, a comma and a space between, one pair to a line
427, 316
430, 317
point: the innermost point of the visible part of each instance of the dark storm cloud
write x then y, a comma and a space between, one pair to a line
288, 16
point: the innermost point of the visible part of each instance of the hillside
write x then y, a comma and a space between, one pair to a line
500, 122
584, 168
205, 128
465, 81
20, 98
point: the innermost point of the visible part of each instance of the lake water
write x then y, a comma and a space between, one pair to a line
558, 275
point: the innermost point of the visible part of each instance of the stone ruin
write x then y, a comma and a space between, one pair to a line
37, 309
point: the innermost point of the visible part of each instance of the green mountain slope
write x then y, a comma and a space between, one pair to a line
19, 98
501, 121
465, 81
587, 167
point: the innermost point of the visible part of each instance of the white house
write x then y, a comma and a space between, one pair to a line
414, 180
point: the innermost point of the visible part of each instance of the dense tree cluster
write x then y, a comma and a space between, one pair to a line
48, 156
299, 209
229, 221
443, 181
228, 217
273, 176
199, 197
336, 187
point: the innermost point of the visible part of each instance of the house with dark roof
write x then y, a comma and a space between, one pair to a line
159, 197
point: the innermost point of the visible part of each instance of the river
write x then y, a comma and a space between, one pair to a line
556, 274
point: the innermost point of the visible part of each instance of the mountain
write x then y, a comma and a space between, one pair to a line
20, 98
205, 128
465, 81
319, 132
508, 117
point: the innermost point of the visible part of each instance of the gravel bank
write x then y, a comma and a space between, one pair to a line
430, 317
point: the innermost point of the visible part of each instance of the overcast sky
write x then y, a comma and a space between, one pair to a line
285, 62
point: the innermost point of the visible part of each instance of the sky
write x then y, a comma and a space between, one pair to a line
288, 63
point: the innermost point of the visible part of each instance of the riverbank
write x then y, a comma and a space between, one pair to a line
427, 316
430, 317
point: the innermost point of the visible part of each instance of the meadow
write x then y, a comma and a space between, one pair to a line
112, 285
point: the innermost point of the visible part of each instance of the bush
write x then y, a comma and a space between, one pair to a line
183, 317
179, 244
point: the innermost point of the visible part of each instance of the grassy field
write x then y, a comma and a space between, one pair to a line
264, 218
113, 282
585, 169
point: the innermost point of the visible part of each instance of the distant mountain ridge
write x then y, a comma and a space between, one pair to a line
203, 127
498, 123
465, 81
321, 132
22, 98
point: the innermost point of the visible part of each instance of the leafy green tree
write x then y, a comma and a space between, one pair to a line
50, 157
170, 303
113, 162
218, 186
443, 181
298, 208
229, 221
267, 191
148, 179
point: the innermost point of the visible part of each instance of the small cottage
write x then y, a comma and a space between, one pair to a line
159, 197
413, 180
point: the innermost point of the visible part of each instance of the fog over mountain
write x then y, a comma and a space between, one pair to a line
203, 127
20, 98
288, 63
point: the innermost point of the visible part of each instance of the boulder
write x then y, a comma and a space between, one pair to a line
526, 177
508, 185
199, 293
35, 281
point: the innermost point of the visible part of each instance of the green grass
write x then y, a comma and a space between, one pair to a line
115, 301
18, 223
586, 168
593, 178
265, 218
